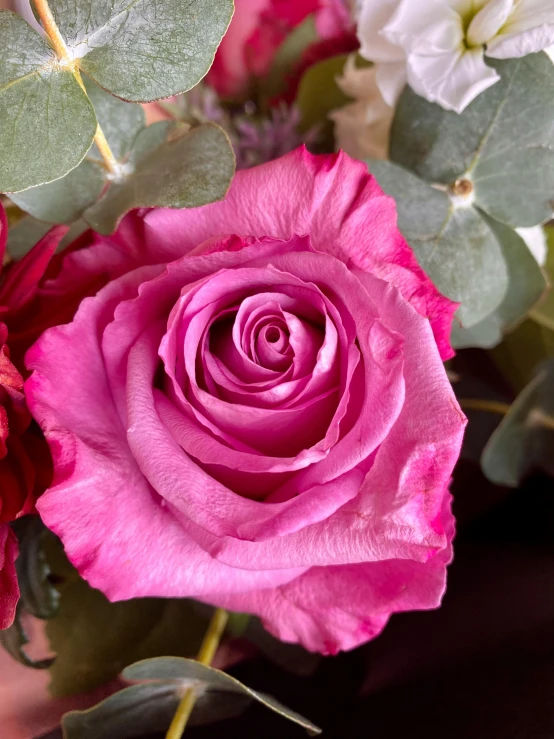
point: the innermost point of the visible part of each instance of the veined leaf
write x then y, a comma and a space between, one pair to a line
503, 142
455, 245
47, 123
192, 169
143, 50
527, 285
524, 440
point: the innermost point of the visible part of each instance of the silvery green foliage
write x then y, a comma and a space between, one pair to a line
523, 441
464, 182
149, 705
139, 51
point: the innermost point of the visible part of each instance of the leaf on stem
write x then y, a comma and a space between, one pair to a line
524, 439
527, 285
149, 706
503, 142
167, 168
143, 50
455, 245
47, 123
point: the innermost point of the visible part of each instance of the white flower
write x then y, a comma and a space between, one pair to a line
362, 128
438, 46
535, 238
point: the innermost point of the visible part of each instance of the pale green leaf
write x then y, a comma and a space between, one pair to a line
524, 439
132, 712
503, 141
454, 245
28, 231
544, 312
143, 50
168, 669
121, 122
192, 169
66, 199
47, 123
527, 284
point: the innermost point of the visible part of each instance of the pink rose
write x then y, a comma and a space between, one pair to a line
255, 413
258, 29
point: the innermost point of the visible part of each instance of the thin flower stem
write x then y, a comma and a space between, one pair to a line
490, 406
52, 30
60, 47
205, 657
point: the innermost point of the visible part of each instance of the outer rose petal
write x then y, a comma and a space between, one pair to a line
105, 534
338, 608
335, 200
9, 589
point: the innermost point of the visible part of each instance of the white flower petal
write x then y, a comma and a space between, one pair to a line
528, 14
391, 79
452, 81
535, 238
488, 21
427, 30
515, 45
362, 128
373, 15
550, 52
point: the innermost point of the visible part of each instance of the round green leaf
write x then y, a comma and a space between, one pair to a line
544, 312
47, 123
524, 439
454, 245
192, 169
527, 284
503, 141
143, 50
134, 711
175, 669
121, 122
66, 199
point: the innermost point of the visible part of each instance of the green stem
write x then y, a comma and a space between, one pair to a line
205, 657
60, 47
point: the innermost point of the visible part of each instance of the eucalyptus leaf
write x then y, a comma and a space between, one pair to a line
524, 439
66, 199
28, 232
454, 245
544, 312
191, 169
39, 597
514, 116
143, 50
148, 707
14, 639
134, 711
121, 122
527, 285
175, 669
47, 123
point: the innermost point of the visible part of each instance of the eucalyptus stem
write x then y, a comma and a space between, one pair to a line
60, 47
205, 657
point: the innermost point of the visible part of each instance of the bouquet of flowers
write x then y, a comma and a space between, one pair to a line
241, 245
